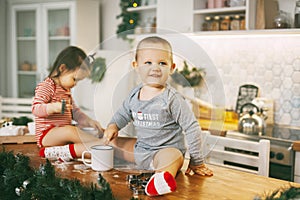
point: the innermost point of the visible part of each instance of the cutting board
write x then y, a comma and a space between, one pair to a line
247, 93
296, 146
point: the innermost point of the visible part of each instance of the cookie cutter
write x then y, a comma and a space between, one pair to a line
137, 183
63, 106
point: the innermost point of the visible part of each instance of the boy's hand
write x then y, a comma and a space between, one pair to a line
110, 133
199, 169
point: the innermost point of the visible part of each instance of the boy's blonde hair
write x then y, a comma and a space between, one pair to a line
153, 40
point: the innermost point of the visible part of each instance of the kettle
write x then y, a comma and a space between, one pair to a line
252, 120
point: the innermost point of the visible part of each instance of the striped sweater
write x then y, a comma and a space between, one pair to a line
48, 92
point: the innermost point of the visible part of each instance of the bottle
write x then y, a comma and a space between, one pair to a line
297, 14
153, 26
206, 26
148, 25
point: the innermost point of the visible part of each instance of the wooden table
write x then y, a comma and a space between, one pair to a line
225, 184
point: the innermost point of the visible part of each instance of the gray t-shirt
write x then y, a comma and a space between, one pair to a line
161, 122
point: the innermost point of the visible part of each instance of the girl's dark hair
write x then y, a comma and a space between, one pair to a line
72, 57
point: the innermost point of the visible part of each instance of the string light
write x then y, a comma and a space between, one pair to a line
131, 21
134, 4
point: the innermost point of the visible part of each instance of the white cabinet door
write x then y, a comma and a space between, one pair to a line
297, 167
59, 26
175, 15
26, 37
38, 32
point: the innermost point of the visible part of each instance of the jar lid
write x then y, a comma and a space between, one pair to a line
207, 18
217, 17
236, 17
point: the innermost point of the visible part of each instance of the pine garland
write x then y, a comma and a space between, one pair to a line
284, 193
20, 181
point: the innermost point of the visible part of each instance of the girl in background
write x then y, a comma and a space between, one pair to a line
54, 109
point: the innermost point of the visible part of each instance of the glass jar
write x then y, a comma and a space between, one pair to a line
206, 26
235, 23
215, 25
225, 23
242, 23
281, 20
297, 15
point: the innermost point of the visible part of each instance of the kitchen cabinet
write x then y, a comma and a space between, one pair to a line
200, 11
177, 18
39, 32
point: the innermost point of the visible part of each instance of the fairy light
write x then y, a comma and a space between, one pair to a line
134, 4
131, 21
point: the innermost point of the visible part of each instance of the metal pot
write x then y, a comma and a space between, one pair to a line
251, 121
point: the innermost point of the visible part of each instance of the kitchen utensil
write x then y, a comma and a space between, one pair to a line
252, 121
260, 15
271, 10
266, 107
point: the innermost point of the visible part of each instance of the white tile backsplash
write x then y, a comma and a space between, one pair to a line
271, 62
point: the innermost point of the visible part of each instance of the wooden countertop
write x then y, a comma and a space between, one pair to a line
296, 145
225, 184
218, 124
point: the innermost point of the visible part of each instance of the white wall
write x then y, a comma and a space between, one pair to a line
88, 13
272, 62
110, 9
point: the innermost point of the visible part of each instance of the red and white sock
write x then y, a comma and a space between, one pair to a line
160, 183
62, 153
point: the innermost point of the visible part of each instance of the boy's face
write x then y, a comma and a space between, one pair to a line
154, 64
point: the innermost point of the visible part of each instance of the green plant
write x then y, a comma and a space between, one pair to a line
188, 77
98, 70
129, 19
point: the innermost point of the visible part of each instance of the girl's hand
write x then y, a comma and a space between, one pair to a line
55, 107
111, 132
199, 169
96, 125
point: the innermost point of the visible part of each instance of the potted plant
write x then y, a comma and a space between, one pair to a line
98, 70
188, 77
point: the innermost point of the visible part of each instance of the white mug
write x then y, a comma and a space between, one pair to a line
102, 157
